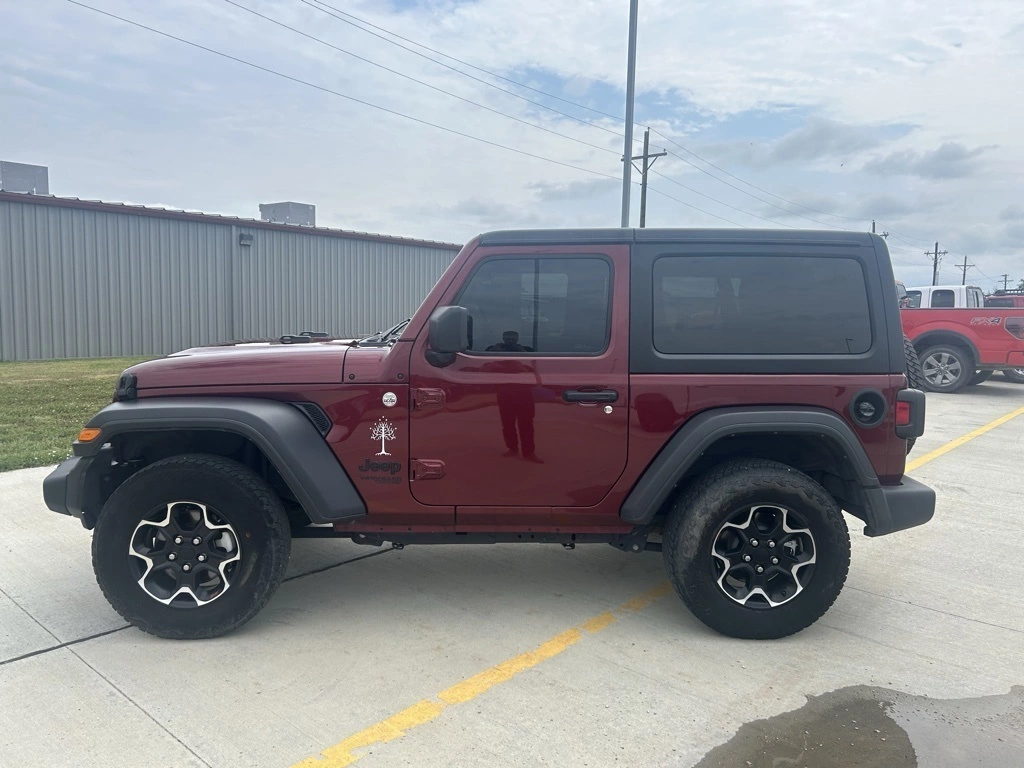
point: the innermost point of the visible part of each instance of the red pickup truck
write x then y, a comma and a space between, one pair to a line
958, 347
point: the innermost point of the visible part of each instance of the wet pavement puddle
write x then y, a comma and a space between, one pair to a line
867, 727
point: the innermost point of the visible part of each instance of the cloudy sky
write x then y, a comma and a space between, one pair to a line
800, 113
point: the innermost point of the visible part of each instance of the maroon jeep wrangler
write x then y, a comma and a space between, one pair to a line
719, 396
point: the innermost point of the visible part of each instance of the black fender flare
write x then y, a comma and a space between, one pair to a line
281, 431
698, 434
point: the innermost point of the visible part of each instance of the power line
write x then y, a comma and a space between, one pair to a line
753, 186
340, 15
761, 199
482, 106
340, 94
378, 107
351, 19
330, 13
694, 207
715, 200
416, 80
618, 118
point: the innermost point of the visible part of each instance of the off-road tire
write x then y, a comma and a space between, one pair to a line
699, 512
914, 376
980, 377
240, 496
963, 357
1016, 375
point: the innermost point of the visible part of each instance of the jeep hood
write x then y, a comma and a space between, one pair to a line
242, 364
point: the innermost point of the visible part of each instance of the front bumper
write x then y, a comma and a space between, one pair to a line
71, 489
898, 507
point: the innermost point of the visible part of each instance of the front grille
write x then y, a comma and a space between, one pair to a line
316, 415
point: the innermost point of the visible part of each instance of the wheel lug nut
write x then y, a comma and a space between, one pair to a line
172, 556
197, 541
753, 542
178, 539
186, 567
760, 569
771, 544
746, 558
775, 561
201, 558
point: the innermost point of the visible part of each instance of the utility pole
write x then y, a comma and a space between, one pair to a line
1006, 281
643, 169
964, 267
936, 257
881, 234
630, 83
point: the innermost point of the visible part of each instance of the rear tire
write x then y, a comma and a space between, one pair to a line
191, 546
1016, 375
915, 378
706, 547
946, 368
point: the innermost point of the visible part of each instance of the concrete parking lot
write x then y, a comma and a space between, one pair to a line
526, 655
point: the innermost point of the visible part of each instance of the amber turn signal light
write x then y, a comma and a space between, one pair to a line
88, 434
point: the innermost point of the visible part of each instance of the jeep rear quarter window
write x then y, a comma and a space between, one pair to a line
542, 306
760, 305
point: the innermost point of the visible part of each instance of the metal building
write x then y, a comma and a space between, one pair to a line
80, 278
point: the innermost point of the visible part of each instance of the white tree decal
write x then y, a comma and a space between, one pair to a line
383, 430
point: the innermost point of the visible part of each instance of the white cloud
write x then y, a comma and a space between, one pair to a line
118, 113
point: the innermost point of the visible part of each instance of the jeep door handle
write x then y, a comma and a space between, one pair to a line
600, 396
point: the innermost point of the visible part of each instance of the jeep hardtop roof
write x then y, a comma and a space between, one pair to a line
634, 235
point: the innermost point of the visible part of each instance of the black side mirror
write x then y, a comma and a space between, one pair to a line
447, 335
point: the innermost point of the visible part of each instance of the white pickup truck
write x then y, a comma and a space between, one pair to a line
944, 297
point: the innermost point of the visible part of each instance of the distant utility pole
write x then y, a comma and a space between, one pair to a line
630, 83
881, 234
936, 258
964, 267
642, 170
1006, 281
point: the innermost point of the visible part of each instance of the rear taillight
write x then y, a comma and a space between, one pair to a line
909, 413
902, 413
1015, 325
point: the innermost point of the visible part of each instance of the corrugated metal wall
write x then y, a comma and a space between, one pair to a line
88, 283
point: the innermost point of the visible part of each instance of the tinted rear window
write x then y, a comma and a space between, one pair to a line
943, 299
760, 305
998, 302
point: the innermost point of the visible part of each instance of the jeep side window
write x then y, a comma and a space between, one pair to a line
760, 305
944, 299
542, 306
914, 299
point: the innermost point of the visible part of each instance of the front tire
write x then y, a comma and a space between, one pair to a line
191, 546
980, 377
754, 514
946, 368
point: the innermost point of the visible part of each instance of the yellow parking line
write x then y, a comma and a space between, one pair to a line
943, 450
342, 753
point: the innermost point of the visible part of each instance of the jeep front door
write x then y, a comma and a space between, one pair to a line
536, 412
